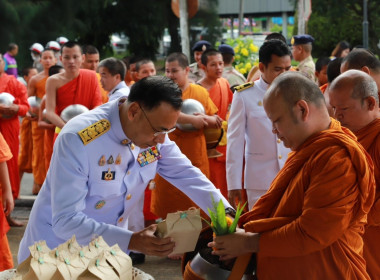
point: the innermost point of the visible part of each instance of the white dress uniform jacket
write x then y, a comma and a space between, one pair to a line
75, 197
250, 136
120, 90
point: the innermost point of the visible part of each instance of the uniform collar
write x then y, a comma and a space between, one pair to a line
116, 127
120, 85
262, 84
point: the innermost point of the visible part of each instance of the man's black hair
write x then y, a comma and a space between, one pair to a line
151, 91
274, 46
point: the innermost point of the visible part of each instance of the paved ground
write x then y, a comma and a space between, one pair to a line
159, 268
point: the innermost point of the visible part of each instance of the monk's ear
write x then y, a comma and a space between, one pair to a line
133, 110
366, 70
371, 103
302, 109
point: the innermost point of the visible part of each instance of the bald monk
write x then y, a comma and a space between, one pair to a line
91, 60
362, 59
221, 95
45, 124
354, 99
73, 86
36, 88
6, 206
309, 224
144, 68
26, 144
10, 126
165, 197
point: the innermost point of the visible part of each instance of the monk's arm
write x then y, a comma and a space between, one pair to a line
32, 87
51, 98
41, 118
5, 184
330, 198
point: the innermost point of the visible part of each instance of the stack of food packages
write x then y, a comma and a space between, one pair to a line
71, 261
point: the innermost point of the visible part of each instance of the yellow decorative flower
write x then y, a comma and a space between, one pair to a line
243, 71
237, 57
236, 49
244, 52
248, 66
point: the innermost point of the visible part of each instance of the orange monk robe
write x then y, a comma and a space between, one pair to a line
103, 92
221, 95
48, 148
312, 218
83, 90
369, 137
323, 88
6, 260
165, 197
10, 128
38, 135
26, 146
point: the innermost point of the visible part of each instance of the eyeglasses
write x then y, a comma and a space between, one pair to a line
156, 132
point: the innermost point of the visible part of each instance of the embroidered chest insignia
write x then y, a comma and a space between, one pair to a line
93, 131
148, 156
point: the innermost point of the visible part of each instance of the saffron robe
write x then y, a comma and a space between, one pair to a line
103, 92
26, 146
221, 95
323, 87
38, 135
83, 90
6, 260
165, 197
10, 128
369, 137
312, 218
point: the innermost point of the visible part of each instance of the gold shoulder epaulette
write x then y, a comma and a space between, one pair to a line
244, 86
93, 131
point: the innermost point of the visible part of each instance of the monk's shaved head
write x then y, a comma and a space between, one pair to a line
292, 87
359, 58
362, 85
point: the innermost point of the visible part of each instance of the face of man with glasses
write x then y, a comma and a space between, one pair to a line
149, 127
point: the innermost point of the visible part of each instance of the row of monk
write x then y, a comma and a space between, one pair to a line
317, 220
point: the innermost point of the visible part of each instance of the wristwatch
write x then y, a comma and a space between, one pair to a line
230, 211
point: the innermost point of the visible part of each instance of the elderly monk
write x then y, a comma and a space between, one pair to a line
354, 99
362, 59
309, 225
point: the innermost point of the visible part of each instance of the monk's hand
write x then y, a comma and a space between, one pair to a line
8, 202
9, 111
30, 117
199, 120
146, 242
233, 245
234, 198
219, 121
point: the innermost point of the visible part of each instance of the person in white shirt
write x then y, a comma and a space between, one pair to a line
249, 135
112, 72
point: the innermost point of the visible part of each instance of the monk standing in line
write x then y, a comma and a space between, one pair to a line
309, 225
36, 88
165, 197
355, 102
6, 206
73, 86
26, 144
91, 60
10, 126
221, 95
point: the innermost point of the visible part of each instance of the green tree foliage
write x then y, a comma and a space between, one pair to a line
335, 20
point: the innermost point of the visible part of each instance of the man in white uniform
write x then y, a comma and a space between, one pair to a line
101, 164
250, 134
112, 73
